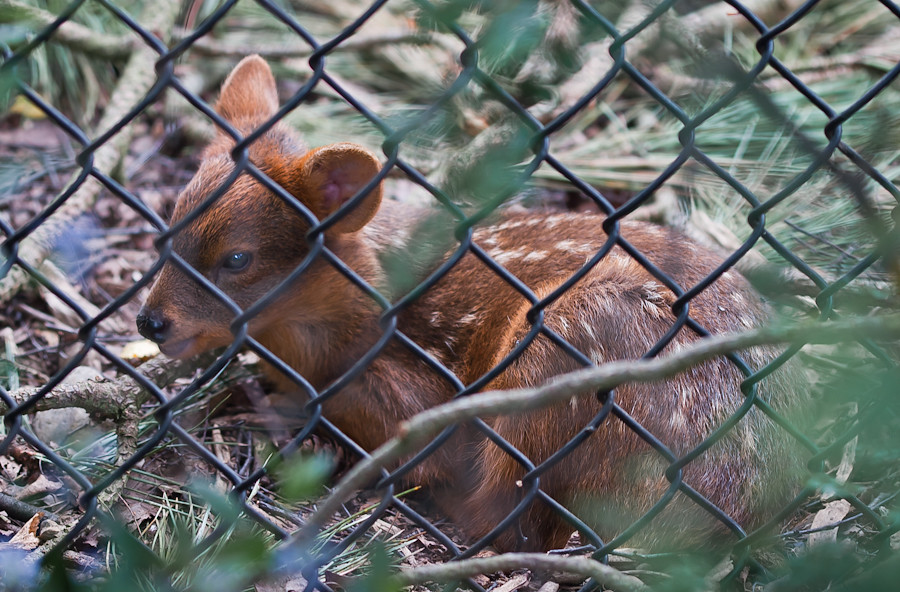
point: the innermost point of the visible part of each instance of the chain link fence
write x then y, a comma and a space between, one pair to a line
802, 206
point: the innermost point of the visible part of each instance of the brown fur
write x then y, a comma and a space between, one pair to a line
469, 321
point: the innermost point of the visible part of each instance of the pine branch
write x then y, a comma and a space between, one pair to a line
71, 34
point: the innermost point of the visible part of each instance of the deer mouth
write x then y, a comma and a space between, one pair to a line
183, 348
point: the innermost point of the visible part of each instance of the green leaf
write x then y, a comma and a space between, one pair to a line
303, 477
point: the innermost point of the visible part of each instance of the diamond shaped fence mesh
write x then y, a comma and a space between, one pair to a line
567, 188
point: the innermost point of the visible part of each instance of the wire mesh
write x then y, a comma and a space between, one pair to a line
531, 154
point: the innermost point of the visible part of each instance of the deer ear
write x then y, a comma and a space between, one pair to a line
331, 175
249, 92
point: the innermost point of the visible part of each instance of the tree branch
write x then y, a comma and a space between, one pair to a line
416, 431
106, 399
609, 577
275, 51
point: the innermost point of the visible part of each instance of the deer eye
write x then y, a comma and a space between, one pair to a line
236, 261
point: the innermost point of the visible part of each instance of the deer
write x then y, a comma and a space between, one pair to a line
250, 240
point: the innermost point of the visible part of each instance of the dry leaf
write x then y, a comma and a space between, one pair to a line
382, 526
24, 107
51, 338
718, 573
832, 513
10, 470
40, 486
27, 538
846, 467
136, 352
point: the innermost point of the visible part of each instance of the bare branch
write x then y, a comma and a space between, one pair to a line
105, 398
276, 51
609, 577
420, 428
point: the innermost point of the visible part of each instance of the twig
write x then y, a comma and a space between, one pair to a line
275, 51
418, 429
607, 576
717, 18
104, 398
19, 510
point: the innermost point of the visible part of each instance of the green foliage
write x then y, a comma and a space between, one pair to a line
231, 566
70, 80
511, 36
303, 477
9, 374
820, 566
379, 577
179, 556
8, 86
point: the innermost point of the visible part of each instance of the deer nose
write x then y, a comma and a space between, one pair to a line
152, 325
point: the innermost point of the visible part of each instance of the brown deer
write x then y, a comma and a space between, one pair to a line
250, 240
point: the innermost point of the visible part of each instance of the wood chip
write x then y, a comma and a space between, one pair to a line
549, 587
514, 583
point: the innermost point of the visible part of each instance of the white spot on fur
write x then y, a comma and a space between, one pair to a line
551, 221
597, 354
555, 219
749, 439
469, 318
536, 256
589, 330
399, 241
652, 291
652, 300
678, 421
571, 246
502, 257
435, 318
651, 309
508, 225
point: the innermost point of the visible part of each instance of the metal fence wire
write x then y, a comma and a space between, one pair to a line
854, 180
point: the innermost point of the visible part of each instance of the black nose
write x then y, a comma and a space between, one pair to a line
152, 325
